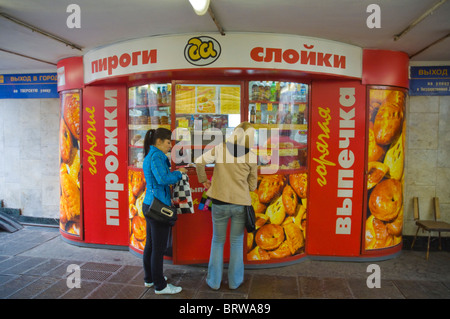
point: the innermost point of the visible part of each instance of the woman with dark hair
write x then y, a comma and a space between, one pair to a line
157, 144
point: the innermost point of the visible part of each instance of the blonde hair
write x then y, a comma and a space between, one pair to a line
243, 134
245, 126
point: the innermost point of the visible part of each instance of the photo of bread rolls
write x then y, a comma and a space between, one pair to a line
281, 213
70, 166
385, 172
136, 195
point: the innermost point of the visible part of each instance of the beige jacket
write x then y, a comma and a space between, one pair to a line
235, 171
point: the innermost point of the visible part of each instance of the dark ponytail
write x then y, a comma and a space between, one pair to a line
152, 135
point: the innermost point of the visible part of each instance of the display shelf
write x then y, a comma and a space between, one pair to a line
146, 127
267, 151
277, 102
300, 127
280, 171
165, 105
149, 108
134, 168
279, 113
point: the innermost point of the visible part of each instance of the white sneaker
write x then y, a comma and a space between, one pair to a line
169, 290
150, 284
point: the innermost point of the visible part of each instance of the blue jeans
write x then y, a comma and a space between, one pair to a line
220, 216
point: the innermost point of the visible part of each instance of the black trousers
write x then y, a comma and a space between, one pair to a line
155, 247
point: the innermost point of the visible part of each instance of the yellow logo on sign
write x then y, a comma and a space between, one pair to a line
202, 50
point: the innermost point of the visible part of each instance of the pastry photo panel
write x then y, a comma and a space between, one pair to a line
385, 177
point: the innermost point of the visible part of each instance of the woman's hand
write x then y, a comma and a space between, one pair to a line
207, 184
182, 170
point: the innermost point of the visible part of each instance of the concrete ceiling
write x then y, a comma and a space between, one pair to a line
108, 21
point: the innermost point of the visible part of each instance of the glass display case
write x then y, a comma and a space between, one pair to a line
279, 112
205, 114
149, 108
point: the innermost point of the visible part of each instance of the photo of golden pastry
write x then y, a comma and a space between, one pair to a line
377, 235
65, 142
138, 226
261, 219
70, 161
72, 227
269, 237
396, 226
258, 254
376, 151
270, 186
281, 222
385, 168
71, 113
250, 237
395, 96
138, 182
138, 244
131, 197
75, 166
136, 195
386, 200
300, 218
294, 237
388, 123
376, 172
132, 211
290, 200
276, 211
377, 98
257, 206
70, 204
139, 202
394, 159
299, 183
281, 252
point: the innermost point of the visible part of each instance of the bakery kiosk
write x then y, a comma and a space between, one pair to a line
330, 136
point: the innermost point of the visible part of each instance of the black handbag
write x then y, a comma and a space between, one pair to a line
160, 212
250, 219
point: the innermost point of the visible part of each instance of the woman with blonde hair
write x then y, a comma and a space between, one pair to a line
234, 176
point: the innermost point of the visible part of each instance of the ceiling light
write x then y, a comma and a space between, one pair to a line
200, 6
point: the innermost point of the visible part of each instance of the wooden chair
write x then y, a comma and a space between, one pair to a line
430, 225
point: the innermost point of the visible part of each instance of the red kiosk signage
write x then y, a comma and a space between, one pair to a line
319, 97
105, 165
337, 168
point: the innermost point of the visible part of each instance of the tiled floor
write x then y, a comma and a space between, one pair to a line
34, 263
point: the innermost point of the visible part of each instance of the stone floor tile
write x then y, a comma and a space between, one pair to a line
311, 287
332, 288
55, 291
100, 267
388, 290
131, 292
79, 293
106, 290
34, 288
125, 274
16, 284
273, 287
